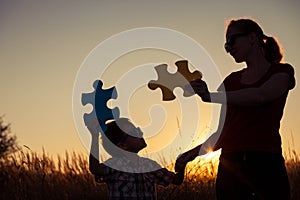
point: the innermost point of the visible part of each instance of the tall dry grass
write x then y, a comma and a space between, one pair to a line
293, 169
28, 175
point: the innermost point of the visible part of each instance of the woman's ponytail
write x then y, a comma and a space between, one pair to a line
272, 50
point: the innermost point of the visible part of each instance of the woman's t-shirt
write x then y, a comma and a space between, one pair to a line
254, 128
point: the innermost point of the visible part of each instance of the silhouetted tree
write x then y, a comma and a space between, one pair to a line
8, 142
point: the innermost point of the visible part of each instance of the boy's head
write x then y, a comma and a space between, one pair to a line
123, 134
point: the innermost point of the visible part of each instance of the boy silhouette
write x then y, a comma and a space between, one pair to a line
127, 175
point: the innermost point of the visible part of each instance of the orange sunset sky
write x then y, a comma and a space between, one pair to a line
44, 43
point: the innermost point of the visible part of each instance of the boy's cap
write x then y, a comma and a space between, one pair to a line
114, 133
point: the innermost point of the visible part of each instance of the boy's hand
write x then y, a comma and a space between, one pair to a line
182, 160
186, 157
94, 127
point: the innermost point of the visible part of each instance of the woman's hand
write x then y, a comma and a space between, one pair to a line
200, 88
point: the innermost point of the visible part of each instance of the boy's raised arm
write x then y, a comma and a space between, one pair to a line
95, 167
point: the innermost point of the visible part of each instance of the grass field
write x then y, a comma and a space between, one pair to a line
27, 175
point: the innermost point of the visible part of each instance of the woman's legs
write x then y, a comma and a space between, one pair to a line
252, 175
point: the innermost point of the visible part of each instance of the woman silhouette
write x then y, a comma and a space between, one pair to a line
251, 162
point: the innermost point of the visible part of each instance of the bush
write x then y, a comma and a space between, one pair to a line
7, 140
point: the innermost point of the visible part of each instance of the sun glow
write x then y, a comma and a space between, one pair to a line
212, 155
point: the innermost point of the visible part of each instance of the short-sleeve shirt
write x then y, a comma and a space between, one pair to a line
126, 184
254, 128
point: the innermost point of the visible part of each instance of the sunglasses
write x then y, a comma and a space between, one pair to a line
231, 40
135, 132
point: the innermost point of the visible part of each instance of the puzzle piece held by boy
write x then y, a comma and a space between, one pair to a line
99, 98
167, 81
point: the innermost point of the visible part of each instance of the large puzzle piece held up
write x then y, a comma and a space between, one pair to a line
99, 98
168, 81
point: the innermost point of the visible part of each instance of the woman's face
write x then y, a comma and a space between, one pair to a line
238, 44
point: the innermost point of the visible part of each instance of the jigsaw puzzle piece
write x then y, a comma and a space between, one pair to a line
164, 82
99, 98
167, 81
184, 70
189, 76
